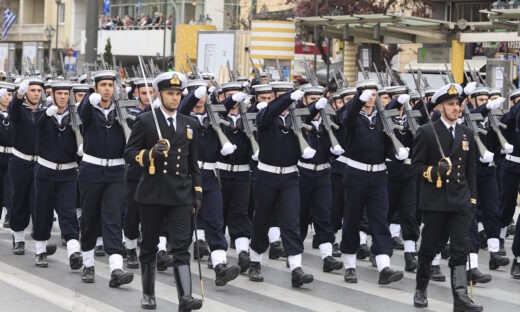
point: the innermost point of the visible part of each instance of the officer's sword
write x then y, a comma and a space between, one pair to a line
198, 253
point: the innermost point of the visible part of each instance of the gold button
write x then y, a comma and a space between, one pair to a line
179, 150
458, 174
165, 163
447, 180
164, 171
458, 166
178, 157
177, 173
177, 166
458, 181
460, 158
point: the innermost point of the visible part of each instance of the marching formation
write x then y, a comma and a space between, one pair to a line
140, 168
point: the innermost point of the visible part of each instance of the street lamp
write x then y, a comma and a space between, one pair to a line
49, 33
58, 4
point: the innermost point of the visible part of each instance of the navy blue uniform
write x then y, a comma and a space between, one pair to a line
6, 140
337, 165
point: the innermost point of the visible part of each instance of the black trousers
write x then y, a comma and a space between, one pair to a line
338, 201
516, 240
402, 200
132, 217
102, 206
5, 190
488, 203
179, 226
21, 173
211, 217
438, 227
59, 196
508, 196
286, 202
235, 199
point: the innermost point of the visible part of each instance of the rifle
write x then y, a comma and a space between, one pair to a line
448, 72
194, 71
231, 74
151, 65
345, 80
215, 121
511, 85
424, 80
391, 73
121, 114
411, 114
329, 125
183, 70
280, 71
136, 72
51, 69
298, 125
379, 76
248, 126
494, 116
75, 121
126, 73
362, 69
443, 78
103, 63
471, 121
310, 74
336, 81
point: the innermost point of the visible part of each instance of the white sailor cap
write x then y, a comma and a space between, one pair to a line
366, 84
514, 94
80, 87
169, 80
429, 91
82, 78
74, 78
104, 75
207, 76
218, 90
335, 96
8, 86
263, 88
61, 85
47, 77
34, 80
304, 86
395, 90
195, 83
415, 96
449, 91
139, 82
495, 91
382, 91
47, 84
314, 90
479, 91
242, 79
347, 91
281, 86
232, 85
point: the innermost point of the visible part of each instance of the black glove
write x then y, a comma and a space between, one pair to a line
443, 167
158, 149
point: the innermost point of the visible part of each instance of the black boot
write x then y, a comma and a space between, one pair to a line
88, 275
200, 249
276, 250
162, 261
496, 261
398, 243
243, 261
501, 250
436, 274
41, 260
388, 276
225, 274
410, 262
183, 281
19, 248
99, 251
330, 264
120, 277
76, 261
363, 252
299, 277
51, 249
515, 269
255, 272
336, 252
420, 297
350, 276
148, 281
131, 259
478, 277
459, 288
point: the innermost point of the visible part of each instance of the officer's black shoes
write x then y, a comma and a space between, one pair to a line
162, 261
330, 264
275, 250
120, 277
200, 249
515, 269
459, 288
51, 249
420, 298
6, 225
315, 244
99, 251
445, 253
350, 276
496, 261
255, 272
299, 277
436, 274
398, 243
41, 260
131, 259
410, 262
478, 277
76, 261
501, 250
148, 282
19, 248
225, 274
210, 263
243, 261
183, 281
388, 276
363, 252
336, 252
88, 275
483, 239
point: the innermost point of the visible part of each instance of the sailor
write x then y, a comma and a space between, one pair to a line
101, 179
79, 90
6, 94
55, 175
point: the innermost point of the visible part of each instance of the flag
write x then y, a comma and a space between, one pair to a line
106, 7
9, 19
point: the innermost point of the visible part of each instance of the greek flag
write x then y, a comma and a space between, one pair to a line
106, 7
9, 19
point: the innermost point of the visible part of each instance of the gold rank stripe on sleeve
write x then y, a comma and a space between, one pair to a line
473, 201
428, 174
151, 169
139, 158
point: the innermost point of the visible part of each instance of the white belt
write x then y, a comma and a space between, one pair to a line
206, 165
103, 162
313, 166
366, 167
6, 149
232, 168
407, 161
512, 158
55, 166
342, 159
277, 170
23, 156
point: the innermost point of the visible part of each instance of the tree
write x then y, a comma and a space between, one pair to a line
107, 55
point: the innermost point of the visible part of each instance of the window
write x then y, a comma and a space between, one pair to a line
470, 11
61, 13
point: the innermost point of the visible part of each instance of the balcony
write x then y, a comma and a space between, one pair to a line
130, 42
27, 32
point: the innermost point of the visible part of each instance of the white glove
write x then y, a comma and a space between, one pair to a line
337, 150
51, 110
95, 98
228, 149
211, 89
3, 92
128, 89
200, 92
470, 87
403, 98
261, 105
48, 100
321, 103
401, 154
24, 86
308, 152
238, 97
508, 149
487, 158
255, 156
366, 95
156, 103
245, 84
185, 92
496, 103
80, 150
297, 95
247, 100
